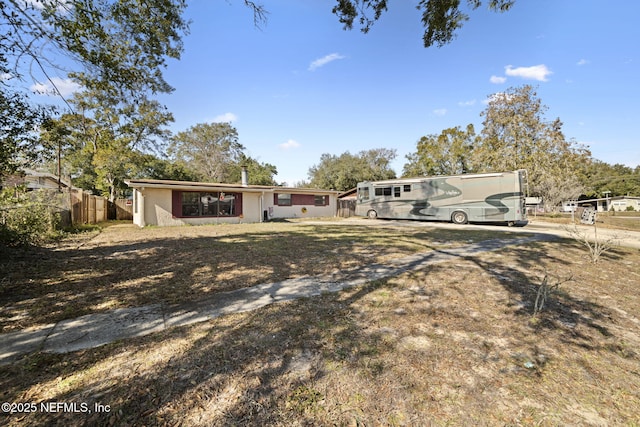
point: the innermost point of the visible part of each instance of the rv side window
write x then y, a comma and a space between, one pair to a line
383, 191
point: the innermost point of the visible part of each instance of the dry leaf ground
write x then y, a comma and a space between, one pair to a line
451, 344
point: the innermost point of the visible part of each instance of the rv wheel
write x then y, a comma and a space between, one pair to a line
459, 217
372, 214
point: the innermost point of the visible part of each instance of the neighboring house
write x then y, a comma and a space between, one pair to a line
617, 203
35, 180
622, 203
569, 206
162, 202
534, 205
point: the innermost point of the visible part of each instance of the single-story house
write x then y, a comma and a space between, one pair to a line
162, 202
622, 203
617, 203
35, 180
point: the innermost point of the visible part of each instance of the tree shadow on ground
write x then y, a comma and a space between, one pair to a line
46, 285
239, 369
260, 367
563, 312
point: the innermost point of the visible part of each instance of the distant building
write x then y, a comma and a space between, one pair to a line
533, 205
35, 180
569, 206
617, 203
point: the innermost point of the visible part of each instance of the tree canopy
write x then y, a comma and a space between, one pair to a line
208, 149
18, 140
117, 47
212, 152
613, 179
440, 18
114, 51
516, 135
345, 171
449, 153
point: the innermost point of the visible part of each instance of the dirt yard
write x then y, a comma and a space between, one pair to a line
451, 344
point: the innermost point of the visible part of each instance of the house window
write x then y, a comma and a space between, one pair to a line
208, 204
407, 188
283, 199
320, 200
396, 191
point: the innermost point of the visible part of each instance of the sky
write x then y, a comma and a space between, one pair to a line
301, 86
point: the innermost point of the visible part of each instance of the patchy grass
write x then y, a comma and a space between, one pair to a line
452, 344
119, 266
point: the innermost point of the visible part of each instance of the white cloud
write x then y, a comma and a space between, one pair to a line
535, 72
5, 77
497, 79
324, 61
225, 118
467, 103
289, 144
440, 111
582, 62
65, 87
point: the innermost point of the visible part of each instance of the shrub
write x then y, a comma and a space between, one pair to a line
630, 208
597, 245
27, 217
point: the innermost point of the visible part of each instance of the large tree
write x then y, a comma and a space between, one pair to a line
96, 157
345, 171
208, 149
117, 47
114, 51
440, 18
258, 173
449, 153
516, 135
150, 166
19, 120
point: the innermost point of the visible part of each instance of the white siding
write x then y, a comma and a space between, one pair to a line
301, 211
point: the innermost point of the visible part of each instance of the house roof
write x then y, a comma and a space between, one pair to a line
34, 179
602, 199
217, 186
349, 194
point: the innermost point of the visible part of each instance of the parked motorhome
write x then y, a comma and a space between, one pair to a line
486, 197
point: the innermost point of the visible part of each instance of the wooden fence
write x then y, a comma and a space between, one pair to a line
121, 209
76, 206
86, 208
346, 207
